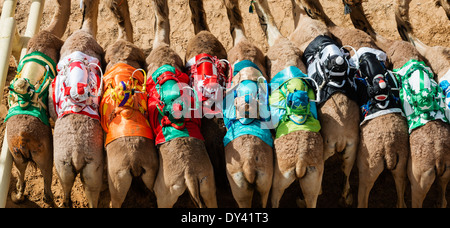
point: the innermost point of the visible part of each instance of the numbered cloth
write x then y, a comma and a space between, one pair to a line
444, 83
292, 105
421, 97
377, 88
171, 105
123, 108
77, 87
246, 104
28, 91
327, 64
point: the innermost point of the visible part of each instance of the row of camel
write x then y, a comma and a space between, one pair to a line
77, 143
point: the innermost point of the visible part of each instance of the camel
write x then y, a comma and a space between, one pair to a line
78, 134
183, 158
248, 147
129, 153
380, 147
430, 158
29, 138
213, 129
429, 155
339, 114
298, 152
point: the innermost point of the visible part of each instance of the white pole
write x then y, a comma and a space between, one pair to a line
7, 33
5, 172
9, 8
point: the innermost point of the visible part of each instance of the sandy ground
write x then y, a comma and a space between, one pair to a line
430, 23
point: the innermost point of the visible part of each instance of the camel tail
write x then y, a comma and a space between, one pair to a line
440, 167
60, 18
193, 185
249, 169
300, 169
391, 160
198, 17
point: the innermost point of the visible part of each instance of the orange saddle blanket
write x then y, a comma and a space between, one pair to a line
124, 104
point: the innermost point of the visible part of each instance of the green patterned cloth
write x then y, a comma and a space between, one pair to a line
422, 98
34, 101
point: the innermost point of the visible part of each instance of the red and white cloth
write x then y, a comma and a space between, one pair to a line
77, 87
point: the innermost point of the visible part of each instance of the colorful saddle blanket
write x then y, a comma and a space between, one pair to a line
208, 78
421, 97
292, 103
377, 86
28, 91
78, 86
124, 104
171, 106
246, 105
327, 64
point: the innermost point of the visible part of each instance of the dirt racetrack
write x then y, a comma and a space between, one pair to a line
430, 23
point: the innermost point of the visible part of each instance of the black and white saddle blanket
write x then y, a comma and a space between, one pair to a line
377, 87
328, 64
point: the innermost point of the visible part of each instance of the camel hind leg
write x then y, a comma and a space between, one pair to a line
201, 183
367, 177
66, 177
349, 157
91, 177
421, 181
311, 184
442, 182
282, 179
21, 166
241, 189
399, 174
44, 162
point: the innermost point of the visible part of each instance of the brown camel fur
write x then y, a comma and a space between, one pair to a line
184, 162
29, 139
129, 156
381, 147
213, 129
249, 160
78, 139
298, 155
339, 115
429, 155
437, 57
